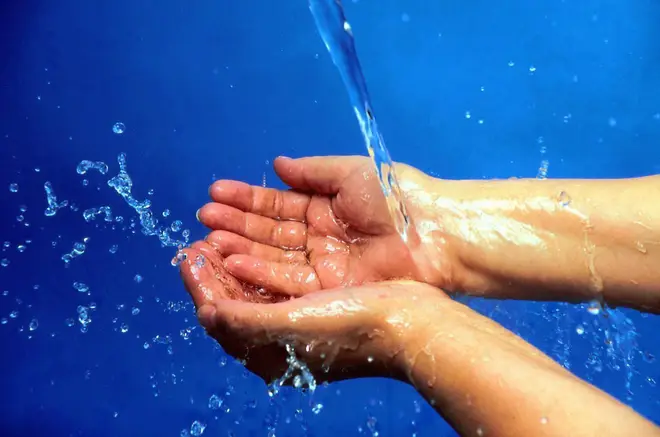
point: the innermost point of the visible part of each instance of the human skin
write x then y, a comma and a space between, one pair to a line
563, 240
481, 378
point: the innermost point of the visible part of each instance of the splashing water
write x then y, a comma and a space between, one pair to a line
338, 38
123, 185
51, 198
85, 165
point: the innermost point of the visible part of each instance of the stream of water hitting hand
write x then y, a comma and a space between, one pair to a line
338, 38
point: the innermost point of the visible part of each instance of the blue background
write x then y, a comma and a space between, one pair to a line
217, 89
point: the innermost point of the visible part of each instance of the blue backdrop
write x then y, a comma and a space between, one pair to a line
217, 89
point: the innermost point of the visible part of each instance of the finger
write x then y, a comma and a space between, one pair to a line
290, 279
227, 243
198, 278
323, 175
268, 202
282, 234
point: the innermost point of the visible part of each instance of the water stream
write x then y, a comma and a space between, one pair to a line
338, 38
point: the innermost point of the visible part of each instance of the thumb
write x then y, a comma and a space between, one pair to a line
319, 174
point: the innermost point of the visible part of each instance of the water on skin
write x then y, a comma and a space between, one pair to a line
338, 38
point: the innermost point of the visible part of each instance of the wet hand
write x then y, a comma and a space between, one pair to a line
339, 334
332, 230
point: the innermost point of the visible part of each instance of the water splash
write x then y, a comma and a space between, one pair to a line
338, 38
91, 213
51, 198
85, 165
300, 380
123, 185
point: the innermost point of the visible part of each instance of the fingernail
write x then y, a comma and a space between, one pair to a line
197, 215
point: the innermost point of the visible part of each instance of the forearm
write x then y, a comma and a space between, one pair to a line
486, 381
573, 240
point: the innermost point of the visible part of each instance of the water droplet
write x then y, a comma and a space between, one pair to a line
594, 308
563, 198
13, 187
34, 324
85, 165
640, 247
215, 402
197, 428
119, 128
81, 287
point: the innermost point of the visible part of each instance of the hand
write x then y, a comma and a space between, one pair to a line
334, 230
339, 334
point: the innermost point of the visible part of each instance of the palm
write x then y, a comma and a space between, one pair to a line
335, 230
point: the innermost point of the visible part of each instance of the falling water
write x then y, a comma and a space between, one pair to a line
338, 39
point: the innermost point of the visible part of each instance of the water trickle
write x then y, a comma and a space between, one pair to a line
338, 38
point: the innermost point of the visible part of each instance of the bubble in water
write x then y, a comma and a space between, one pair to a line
34, 324
138, 278
69, 322
197, 428
166, 213
20, 248
13, 187
135, 311
119, 128
113, 249
532, 69
579, 329
317, 408
124, 328
405, 17
511, 63
4, 262
13, 314
611, 121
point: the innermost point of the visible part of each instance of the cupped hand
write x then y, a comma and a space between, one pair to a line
333, 229
339, 334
